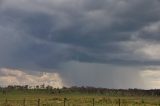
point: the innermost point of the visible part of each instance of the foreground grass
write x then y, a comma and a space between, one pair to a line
31, 97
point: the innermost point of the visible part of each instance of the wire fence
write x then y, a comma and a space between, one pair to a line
79, 102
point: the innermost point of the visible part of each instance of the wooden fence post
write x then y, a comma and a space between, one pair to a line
119, 102
64, 101
38, 102
6, 101
24, 102
93, 101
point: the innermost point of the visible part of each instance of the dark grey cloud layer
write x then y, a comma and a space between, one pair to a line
39, 35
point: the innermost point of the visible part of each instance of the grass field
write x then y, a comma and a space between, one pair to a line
43, 98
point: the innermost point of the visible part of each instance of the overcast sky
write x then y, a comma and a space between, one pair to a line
101, 43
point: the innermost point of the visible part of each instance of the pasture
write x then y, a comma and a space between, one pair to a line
45, 98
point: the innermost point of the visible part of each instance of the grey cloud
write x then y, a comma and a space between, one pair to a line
39, 35
150, 32
96, 28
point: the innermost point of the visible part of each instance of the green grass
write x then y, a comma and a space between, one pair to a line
16, 98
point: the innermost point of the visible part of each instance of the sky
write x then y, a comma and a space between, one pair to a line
100, 43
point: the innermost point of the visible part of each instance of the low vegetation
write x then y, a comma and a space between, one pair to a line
77, 96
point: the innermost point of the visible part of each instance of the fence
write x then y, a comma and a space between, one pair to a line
79, 102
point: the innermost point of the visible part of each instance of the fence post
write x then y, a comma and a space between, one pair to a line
142, 102
38, 102
119, 102
6, 102
64, 101
24, 102
93, 101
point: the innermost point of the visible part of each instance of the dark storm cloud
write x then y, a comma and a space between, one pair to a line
106, 43
53, 32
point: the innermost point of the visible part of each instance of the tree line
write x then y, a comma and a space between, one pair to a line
82, 90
